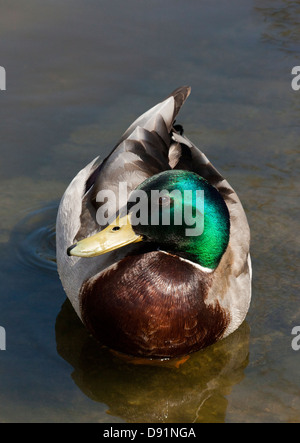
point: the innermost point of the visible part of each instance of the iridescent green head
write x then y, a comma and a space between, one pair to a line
177, 211
185, 216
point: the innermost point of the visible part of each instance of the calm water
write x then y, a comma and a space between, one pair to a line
78, 73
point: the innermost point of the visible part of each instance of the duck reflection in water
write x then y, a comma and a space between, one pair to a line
194, 391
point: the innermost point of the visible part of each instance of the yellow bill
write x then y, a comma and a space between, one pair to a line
114, 236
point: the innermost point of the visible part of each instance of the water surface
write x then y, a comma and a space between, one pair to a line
78, 73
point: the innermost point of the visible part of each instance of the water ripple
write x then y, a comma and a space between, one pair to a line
35, 238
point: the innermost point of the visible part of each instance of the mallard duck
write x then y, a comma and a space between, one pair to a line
159, 287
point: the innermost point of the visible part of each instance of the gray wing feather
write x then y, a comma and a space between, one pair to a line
141, 152
152, 145
185, 155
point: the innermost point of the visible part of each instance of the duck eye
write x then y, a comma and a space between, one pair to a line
116, 228
164, 201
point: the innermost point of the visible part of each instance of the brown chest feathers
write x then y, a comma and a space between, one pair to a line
152, 305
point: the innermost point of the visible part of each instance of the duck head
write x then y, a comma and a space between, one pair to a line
176, 211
